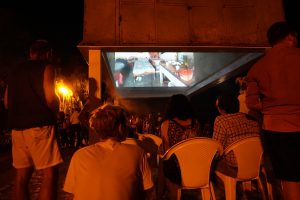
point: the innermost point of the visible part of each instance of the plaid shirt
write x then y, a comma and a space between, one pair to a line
229, 128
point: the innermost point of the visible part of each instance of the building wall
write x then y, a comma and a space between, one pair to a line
179, 22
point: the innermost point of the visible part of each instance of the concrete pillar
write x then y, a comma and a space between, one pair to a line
95, 69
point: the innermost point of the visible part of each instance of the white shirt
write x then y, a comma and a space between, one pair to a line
108, 170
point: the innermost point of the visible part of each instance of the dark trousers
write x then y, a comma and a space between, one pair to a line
76, 132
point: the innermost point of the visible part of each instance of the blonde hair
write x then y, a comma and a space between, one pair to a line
110, 122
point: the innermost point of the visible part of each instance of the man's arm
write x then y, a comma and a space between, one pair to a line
49, 88
253, 95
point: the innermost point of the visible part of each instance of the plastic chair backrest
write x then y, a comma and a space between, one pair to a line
195, 156
248, 153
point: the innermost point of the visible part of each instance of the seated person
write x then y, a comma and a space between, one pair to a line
109, 169
180, 125
230, 127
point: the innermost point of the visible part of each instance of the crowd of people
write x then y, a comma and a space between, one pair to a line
268, 105
69, 130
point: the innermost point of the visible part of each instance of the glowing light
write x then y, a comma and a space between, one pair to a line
65, 91
64, 94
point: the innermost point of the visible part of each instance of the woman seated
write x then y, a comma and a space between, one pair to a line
179, 125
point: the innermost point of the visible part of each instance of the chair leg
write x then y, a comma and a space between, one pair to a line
179, 194
212, 191
230, 188
268, 184
247, 186
262, 190
270, 191
206, 195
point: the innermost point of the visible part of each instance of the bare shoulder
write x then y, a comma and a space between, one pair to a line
164, 123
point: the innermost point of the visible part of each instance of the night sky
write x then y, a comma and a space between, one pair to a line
60, 24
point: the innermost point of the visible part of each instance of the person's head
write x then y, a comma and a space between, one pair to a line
241, 82
40, 50
110, 122
281, 31
227, 103
179, 106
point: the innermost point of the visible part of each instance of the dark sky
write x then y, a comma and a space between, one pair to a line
292, 10
60, 23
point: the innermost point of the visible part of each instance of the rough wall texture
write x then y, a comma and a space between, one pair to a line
179, 22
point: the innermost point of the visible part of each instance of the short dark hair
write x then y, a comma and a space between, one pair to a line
229, 103
40, 47
106, 121
279, 30
179, 106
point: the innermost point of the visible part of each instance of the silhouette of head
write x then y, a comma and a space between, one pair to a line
40, 50
179, 106
279, 31
228, 102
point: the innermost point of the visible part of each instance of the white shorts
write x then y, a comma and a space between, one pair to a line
35, 147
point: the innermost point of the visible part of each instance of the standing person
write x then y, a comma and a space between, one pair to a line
32, 106
273, 87
62, 130
91, 104
117, 171
76, 127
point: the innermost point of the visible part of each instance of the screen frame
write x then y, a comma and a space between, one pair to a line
216, 78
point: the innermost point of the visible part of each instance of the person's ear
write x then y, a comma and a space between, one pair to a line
122, 132
292, 39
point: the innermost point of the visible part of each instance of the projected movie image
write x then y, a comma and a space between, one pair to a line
152, 69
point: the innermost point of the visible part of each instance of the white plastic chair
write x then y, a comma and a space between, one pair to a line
248, 153
195, 156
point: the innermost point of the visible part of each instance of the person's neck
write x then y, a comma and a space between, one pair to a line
111, 139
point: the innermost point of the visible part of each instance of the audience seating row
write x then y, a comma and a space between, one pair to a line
195, 157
